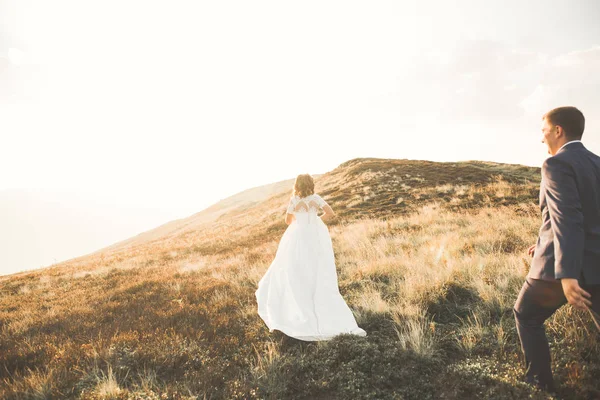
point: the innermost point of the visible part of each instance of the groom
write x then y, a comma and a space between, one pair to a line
566, 259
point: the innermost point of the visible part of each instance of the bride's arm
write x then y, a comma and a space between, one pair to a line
328, 213
289, 218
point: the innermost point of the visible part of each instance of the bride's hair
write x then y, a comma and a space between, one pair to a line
304, 185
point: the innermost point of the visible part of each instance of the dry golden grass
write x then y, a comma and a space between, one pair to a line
432, 279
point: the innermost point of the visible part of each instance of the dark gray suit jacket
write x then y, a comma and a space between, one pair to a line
568, 245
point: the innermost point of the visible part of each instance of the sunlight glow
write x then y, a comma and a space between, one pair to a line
174, 106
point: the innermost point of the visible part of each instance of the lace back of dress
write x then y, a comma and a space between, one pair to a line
306, 205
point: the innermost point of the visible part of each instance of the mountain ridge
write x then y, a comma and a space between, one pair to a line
357, 188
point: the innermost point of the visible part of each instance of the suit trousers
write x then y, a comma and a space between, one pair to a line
537, 301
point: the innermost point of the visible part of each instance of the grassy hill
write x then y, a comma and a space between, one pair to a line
430, 257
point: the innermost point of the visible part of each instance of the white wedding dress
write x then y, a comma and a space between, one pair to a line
299, 294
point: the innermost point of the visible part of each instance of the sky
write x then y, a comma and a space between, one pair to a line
172, 106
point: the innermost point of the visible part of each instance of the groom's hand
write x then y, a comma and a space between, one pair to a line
531, 250
576, 296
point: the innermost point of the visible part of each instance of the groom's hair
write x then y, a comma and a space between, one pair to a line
568, 118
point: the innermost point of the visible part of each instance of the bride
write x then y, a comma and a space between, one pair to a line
299, 295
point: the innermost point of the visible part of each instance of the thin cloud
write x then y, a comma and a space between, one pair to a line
474, 80
568, 79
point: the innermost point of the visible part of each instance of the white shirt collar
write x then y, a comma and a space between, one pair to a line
572, 141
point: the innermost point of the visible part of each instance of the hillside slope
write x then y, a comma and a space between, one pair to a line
240, 201
430, 258
40, 227
360, 188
